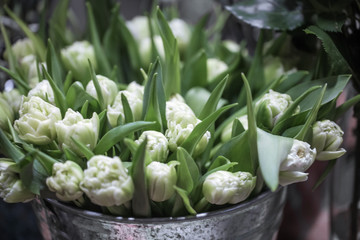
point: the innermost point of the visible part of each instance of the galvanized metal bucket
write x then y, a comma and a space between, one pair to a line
258, 218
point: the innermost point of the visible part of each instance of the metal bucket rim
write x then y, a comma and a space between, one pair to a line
163, 220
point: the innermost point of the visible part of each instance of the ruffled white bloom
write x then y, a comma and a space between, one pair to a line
75, 58
6, 113
44, 91
293, 168
12, 189
139, 27
108, 89
224, 187
226, 133
145, 49
181, 121
214, 68
157, 145
107, 182
327, 138
181, 31
65, 181
37, 121
21, 48
272, 106
13, 98
161, 179
75, 126
134, 94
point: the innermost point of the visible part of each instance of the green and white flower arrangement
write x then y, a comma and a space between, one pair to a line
190, 133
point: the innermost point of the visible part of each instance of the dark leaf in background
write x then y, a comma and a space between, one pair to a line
278, 15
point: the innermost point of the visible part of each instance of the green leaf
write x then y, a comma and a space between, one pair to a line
101, 59
340, 111
140, 200
127, 110
252, 143
60, 99
311, 117
280, 126
100, 97
76, 97
118, 133
219, 161
84, 109
331, 22
83, 149
38, 44
33, 176
237, 128
8, 149
184, 196
68, 81
277, 15
200, 129
194, 72
18, 80
337, 60
237, 151
154, 100
335, 85
272, 151
70, 155
54, 66
57, 24
188, 172
171, 78
291, 80
10, 54
213, 100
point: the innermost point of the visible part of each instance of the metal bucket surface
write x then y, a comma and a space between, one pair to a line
258, 218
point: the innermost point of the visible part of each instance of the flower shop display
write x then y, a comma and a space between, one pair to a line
156, 119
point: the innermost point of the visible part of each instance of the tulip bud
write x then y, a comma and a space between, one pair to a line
139, 27
214, 68
327, 138
231, 46
30, 69
44, 91
76, 59
300, 158
224, 187
65, 181
106, 181
37, 120
13, 98
75, 126
271, 107
157, 145
181, 121
161, 179
21, 48
181, 31
12, 190
227, 132
6, 113
108, 89
134, 95
145, 49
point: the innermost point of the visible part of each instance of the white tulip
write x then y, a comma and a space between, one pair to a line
37, 121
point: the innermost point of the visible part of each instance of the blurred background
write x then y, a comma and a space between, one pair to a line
307, 213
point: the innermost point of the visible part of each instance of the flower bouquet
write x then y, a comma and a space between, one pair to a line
87, 125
